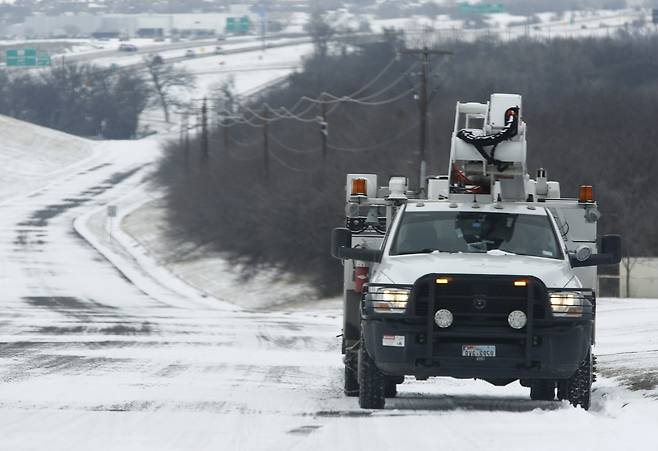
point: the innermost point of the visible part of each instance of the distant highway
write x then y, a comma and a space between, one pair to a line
181, 45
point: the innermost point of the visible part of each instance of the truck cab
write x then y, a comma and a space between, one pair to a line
483, 273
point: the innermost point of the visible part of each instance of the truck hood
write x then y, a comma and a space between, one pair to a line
406, 269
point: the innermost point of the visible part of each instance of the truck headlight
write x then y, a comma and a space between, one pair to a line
389, 300
567, 303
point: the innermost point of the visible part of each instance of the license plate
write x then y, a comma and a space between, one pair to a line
396, 341
478, 351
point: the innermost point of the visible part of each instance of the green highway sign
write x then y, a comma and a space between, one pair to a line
245, 23
481, 8
27, 58
230, 24
238, 24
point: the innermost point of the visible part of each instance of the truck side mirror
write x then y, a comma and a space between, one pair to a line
611, 245
340, 238
609, 253
341, 248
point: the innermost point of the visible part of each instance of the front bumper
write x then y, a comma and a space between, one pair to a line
555, 352
548, 347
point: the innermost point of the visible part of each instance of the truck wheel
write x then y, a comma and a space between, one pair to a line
351, 387
542, 390
563, 389
390, 388
579, 386
371, 381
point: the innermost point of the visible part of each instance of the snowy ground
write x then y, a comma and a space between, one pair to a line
179, 51
572, 24
28, 158
249, 71
111, 356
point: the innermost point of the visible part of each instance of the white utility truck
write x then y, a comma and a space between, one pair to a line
484, 273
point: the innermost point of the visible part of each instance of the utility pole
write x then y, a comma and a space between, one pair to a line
324, 128
204, 132
226, 136
423, 103
171, 19
266, 145
181, 131
224, 125
186, 139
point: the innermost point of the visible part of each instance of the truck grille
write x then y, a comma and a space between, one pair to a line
479, 300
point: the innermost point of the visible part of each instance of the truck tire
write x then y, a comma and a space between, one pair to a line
390, 388
542, 390
351, 387
579, 386
371, 381
563, 389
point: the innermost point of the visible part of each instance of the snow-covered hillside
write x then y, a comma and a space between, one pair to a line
31, 155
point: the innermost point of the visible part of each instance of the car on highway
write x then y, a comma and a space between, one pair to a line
219, 50
127, 47
189, 53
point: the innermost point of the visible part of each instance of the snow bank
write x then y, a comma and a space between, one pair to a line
149, 240
129, 258
31, 155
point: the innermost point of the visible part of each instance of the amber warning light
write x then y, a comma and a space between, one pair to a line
359, 187
585, 193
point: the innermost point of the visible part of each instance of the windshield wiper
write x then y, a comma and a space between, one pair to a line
422, 251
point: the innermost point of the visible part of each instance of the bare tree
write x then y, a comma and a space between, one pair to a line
628, 263
223, 95
321, 32
166, 80
591, 125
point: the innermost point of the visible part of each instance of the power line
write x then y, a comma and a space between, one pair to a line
388, 87
261, 117
286, 115
383, 102
267, 108
312, 107
358, 91
375, 79
289, 113
229, 120
283, 113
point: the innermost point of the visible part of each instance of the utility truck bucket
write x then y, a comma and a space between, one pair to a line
489, 146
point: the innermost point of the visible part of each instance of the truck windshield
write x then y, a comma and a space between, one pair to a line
476, 232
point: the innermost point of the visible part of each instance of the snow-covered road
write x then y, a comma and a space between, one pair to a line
88, 360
